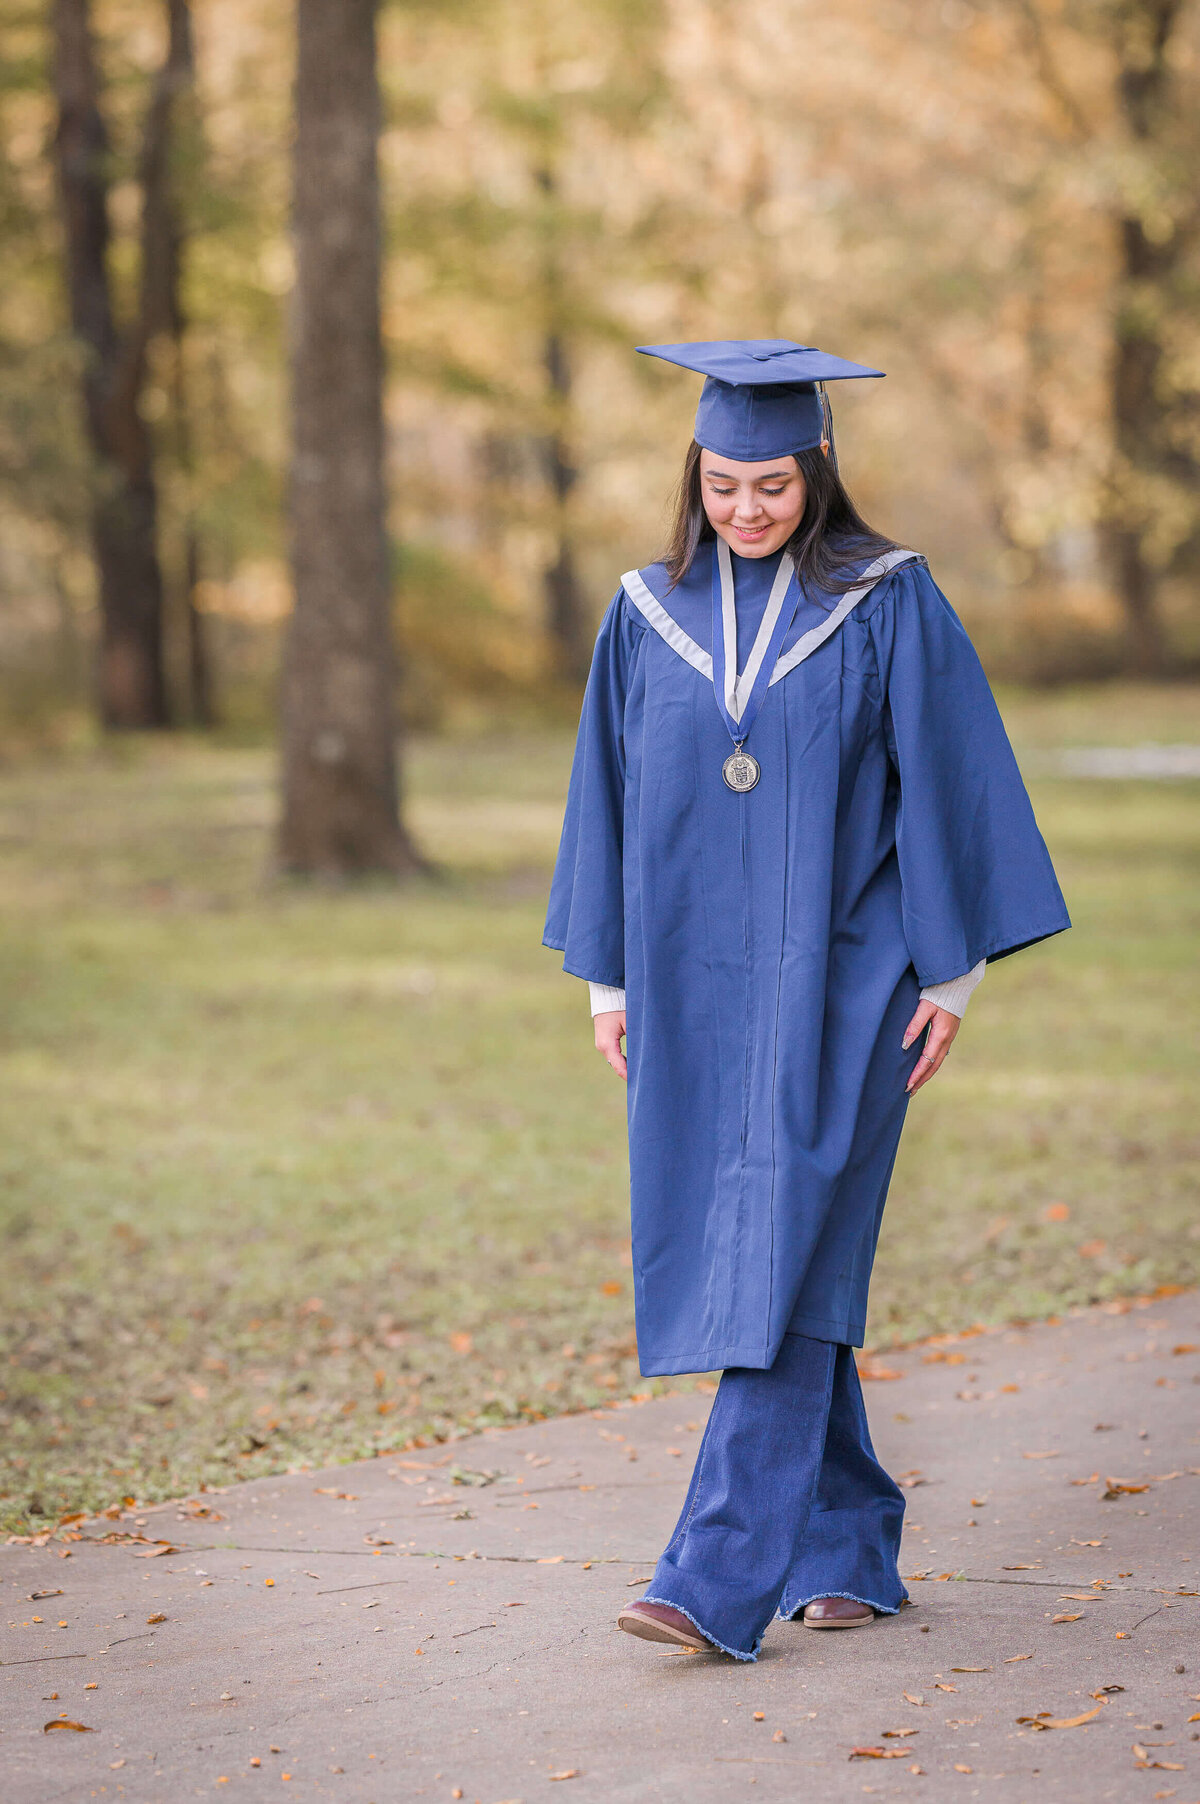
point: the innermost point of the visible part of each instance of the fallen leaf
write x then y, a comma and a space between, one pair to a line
62, 1722
1045, 1721
1092, 1479
1057, 1212
1063, 1617
913, 1697
35, 1597
870, 1370
332, 1491
155, 1552
462, 1342
1078, 1597
940, 1687
556, 1559
877, 1754
568, 1772
1026, 1566
959, 1768
779, 1735
637, 1581
898, 1734
1052, 1454
760, 1716
1187, 1346
1013, 1659
1117, 1488
158, 1617
970, 1669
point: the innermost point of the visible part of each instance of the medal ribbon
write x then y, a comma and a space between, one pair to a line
740, 698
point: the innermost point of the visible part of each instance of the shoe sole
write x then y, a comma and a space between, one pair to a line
834, 1622
646, 1628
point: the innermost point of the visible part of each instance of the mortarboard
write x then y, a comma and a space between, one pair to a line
762, 397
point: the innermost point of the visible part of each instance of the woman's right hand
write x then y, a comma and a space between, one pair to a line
610, 1031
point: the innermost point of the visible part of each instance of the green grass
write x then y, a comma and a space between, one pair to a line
292, 1175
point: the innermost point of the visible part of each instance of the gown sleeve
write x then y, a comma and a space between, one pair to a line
976, 879
585, 920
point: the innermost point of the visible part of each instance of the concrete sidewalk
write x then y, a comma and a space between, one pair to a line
440, 1624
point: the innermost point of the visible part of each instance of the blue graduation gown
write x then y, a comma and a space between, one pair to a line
772, 944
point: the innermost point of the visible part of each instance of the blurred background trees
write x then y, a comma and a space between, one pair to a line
995, 200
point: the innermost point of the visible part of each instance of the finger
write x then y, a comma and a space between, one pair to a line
937, 1044
924, 1015
610, 1027
921, 1073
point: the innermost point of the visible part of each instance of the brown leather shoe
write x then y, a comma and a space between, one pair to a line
837, 1613
659, 1622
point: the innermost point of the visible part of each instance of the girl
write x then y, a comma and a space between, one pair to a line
795, 834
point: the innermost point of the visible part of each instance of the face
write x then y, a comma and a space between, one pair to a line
755, 508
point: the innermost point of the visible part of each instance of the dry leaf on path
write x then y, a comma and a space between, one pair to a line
877, 1754
569, 1772
1064, 1617
898, 1734
970, 1669
1013, 1659
62, 1722
1052, 1454
158, 1617
1045, 1721
154, 1553
913, 1697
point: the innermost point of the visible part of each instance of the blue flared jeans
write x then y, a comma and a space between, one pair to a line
787, 1502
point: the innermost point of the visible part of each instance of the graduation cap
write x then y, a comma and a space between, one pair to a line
762, 397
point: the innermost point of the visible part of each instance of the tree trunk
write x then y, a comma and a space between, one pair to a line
1147, 267
564, 600
566, 624
131, 683
340, 814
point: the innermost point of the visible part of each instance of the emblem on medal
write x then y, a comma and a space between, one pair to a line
741, 771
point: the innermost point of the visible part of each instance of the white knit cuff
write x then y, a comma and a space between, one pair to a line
955, 993
605, 998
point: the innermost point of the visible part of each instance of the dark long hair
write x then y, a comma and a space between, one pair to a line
829, 547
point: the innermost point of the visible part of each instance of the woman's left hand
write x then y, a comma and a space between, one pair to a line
942, 1027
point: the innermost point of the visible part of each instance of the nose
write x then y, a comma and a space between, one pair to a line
748, 506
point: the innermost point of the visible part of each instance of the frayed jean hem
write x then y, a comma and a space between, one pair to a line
733, 1652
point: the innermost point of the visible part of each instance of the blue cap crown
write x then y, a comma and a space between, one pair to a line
761, 397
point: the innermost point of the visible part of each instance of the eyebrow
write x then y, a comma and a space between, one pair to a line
768, 476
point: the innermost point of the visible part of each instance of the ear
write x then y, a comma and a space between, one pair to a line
824, 447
